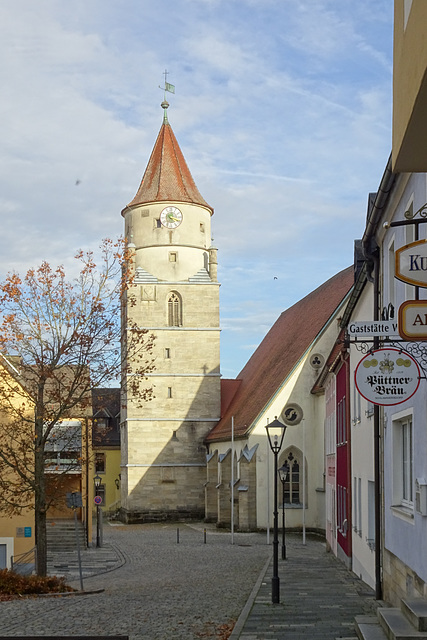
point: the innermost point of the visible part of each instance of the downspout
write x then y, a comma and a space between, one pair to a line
372, 255
377, 458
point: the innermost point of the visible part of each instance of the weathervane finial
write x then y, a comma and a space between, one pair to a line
168, 87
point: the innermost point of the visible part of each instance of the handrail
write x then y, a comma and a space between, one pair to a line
28, 559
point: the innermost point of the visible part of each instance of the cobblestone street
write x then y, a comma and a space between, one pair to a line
161, 590
154, 588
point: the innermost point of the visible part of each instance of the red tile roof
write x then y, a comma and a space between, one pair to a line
279, 353
167, 176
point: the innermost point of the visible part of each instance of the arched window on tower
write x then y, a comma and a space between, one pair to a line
174, 310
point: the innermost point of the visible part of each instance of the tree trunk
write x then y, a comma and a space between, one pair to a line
40, 490
41, 541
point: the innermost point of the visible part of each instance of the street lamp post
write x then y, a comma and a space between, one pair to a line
275, 433
97, 481
283, 474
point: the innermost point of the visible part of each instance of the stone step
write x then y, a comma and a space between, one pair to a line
61, 536
415, 609
369, 628
397, 626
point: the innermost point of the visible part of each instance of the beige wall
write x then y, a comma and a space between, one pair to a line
410, 86
17, 532
163, 462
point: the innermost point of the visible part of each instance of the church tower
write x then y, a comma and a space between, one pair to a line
168, 227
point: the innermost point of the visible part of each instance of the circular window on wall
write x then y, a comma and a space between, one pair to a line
292, 414
317, 360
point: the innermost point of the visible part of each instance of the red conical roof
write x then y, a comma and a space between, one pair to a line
167, 176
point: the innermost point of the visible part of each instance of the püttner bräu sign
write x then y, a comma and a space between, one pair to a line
387, 377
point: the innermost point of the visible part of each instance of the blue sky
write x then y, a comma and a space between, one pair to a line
282, 110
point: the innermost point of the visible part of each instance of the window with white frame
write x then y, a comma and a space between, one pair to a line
342, 521
371, 515
341, 422
355, 510
369, 409
330, 420
403, 476
356, 405
391, 279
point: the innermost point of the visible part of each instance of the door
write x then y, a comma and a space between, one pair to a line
3, 556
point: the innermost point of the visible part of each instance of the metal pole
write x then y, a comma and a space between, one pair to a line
232, 480
275, 582
377, 454
268, 503
78, 549
283, 521
303, 481
98, 542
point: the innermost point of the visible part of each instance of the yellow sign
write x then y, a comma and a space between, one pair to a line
412, 322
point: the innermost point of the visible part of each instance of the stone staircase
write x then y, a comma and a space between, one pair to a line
61, 536
407, 623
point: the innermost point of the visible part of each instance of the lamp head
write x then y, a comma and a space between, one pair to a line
275, 433
97, 480
283, 471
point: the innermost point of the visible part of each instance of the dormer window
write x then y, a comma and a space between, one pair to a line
102, 424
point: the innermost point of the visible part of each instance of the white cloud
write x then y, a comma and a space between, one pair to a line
282, 110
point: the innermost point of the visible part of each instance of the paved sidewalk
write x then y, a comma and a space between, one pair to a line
152, 587
319, 598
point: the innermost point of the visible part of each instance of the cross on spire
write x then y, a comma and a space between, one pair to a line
171, 89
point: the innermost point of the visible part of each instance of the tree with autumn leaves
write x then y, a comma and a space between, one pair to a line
60, 338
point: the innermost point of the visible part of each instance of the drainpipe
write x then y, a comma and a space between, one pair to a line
377, 456
372, 254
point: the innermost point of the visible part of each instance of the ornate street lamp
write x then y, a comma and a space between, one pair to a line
97, 482
275, 433
283, 475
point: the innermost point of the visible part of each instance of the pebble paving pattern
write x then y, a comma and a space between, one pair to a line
154, 588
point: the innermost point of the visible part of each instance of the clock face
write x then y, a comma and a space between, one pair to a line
171, 217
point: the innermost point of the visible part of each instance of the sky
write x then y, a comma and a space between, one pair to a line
282, 109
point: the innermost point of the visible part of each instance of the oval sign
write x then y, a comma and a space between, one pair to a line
387, 377
411, 263
97, 500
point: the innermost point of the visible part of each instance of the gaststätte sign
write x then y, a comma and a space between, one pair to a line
370, 328
387, 377
413, 320
411, 263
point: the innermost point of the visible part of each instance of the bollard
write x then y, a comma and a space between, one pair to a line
177, 536
204, 535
